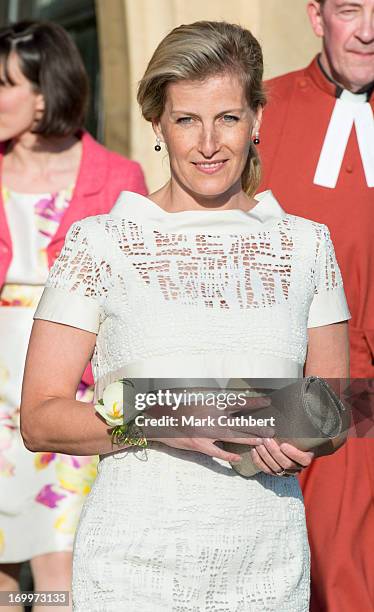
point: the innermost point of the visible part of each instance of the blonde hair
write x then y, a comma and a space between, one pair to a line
200, 50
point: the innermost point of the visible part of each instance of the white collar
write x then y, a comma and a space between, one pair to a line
356, 98
138, 208
350, 110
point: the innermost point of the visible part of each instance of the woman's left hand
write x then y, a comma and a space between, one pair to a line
280, 459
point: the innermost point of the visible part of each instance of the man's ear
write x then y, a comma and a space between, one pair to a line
314, 10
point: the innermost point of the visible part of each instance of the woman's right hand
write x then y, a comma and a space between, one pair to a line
208, 446
206, 439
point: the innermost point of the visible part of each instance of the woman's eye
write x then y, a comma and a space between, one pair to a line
230, 118
184, 120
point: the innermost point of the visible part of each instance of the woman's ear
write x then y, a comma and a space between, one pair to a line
39, 110
156, 125
40, 104
39, 107
257, 121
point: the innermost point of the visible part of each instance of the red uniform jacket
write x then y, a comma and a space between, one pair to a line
294, 126
338, 490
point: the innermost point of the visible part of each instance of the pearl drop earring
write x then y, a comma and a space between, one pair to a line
256, 139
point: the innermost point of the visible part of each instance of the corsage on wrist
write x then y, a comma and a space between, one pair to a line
117, 407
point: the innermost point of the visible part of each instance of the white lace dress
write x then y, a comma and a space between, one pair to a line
193, 294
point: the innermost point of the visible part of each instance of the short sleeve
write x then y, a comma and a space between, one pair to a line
75, 289
329, 304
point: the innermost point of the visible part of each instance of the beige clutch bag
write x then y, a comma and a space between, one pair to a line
307, 414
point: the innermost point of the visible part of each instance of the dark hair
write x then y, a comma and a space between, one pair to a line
50, 60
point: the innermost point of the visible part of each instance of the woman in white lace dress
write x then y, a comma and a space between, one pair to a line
199, 280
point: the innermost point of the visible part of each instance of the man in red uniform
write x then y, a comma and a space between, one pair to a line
317, 151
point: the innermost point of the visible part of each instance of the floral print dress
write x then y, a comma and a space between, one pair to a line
41, 494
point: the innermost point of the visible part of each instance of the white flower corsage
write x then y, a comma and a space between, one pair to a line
117, 405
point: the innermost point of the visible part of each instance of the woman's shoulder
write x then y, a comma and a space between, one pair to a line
304, 225
96, 232
94, 223
307, 235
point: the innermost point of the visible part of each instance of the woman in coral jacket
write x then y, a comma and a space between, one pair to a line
52, 174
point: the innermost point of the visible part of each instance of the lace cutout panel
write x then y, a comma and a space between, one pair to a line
162, 293
245, 271
78, 269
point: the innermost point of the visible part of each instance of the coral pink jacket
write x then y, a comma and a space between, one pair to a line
103, 174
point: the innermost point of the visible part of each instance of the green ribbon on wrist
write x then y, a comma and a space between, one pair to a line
128, 434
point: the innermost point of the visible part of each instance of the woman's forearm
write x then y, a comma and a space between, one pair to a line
66, 426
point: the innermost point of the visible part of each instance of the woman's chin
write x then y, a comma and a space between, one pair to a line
210, 188
6, 135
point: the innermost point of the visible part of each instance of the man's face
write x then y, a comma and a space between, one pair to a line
347, 29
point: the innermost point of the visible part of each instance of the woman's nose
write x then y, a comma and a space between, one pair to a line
208, 144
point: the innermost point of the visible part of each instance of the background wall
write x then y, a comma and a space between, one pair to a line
129, 31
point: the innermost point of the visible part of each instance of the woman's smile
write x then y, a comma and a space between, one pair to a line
210, 167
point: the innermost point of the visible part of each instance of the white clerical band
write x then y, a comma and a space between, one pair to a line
350, 109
